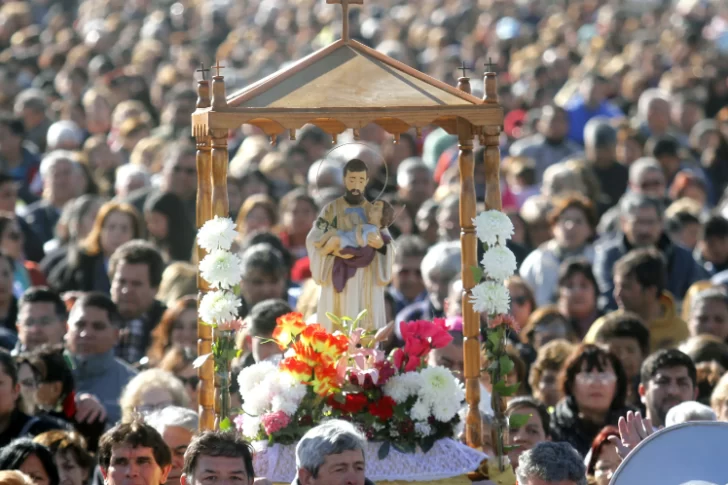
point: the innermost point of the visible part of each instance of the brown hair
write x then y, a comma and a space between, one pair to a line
550, 357
387, 213
176, 359
218, 443
518, 281
60, 441
594, 357
263, 201
136, 434
162, 332
540, 316
573, 201
92, 243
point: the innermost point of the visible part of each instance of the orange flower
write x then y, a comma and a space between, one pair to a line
324, 382
307, 354
313, 332
287, 328
299, 370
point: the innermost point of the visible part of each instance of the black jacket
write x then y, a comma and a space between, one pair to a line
23, 425
567, 426
79, 271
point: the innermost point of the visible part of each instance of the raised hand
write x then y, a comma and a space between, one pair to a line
632, 430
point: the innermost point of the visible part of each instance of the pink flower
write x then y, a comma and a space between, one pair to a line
506, 320
274, 422
236, 324
239, 422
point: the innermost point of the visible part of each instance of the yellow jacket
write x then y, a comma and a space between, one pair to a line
666, 332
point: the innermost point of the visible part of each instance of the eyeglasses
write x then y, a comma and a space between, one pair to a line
186, 170
602, 378
191, 381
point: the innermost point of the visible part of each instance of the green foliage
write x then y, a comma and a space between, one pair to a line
516, 421
505, 390
477, 273
506, 364
225, 424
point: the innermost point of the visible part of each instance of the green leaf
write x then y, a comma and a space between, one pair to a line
225, 424
333, 318
360, 316
384, 450
494, 338
506, 364
477, 273
504, 390
516, 421
200, 361
508, 448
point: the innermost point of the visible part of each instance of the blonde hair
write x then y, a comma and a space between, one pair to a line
263, 201
694, 289
249, 155
720, 393
179, 279
152, 147
145, 381
15, 477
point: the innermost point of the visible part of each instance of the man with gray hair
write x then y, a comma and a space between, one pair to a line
414, 184
689, 411
709, 313
60, 173
323, 174
550, 463
64, 135
332, 453
439, 267
642, 226
177, 426
129, 178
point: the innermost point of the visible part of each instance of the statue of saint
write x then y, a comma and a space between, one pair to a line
352, 253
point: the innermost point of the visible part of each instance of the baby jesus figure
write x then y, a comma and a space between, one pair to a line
366, 231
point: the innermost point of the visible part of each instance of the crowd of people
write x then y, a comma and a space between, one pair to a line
614, 173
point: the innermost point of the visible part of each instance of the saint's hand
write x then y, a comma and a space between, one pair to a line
375, 240
632, 431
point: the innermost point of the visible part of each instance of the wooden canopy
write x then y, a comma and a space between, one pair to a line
348, 85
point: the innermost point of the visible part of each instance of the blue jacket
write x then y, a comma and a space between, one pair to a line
682, 269
105, 377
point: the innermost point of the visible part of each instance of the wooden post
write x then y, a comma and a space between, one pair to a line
220, 207
204, 332
471, 320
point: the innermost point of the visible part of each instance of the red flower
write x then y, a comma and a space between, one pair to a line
386, 370
382, 409
355, 403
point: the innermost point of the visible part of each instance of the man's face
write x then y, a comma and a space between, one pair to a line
131, 290
181, 175
8, 196
715, 249
345, 468
651, 184
629, 294
355, 184
554, 124
407, 277
259, 285
450, 357
61, 181
628, 352
668, 388
178, 439
134, 466
643, 228
39, 324
9, 142
90, 332
420, 189
710, 317
218, 470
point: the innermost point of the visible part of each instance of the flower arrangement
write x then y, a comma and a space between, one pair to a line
219, 307
490, 297
395, 400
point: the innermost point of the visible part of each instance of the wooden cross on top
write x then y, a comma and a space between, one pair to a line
345, 10
217, 68
203, 70
489, 66
464, 68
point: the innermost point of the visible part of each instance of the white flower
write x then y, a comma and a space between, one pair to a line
251, 377
398, 388
493, 226
217, 233
498, 262
420, 411
491, 298
286, 394
251, 426
423, 429
219, 306
281, 403
444, 410
221, 269
438, 385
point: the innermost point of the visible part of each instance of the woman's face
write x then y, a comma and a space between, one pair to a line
520, 305
579, 296
157, 225
572, 229
28, 384
69, 471
594, 390
257, 220
12, 241
117, 230
606, 464
33, 467
299, 218
9, 393
548, 391
527, 436
154, 399
184, 329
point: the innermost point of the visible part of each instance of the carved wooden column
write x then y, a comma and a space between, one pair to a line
204, 332
471, 320
220, 207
